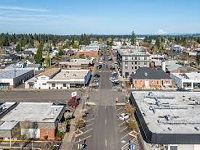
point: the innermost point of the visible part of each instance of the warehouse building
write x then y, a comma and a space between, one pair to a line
168, 119
10, 78
35, 120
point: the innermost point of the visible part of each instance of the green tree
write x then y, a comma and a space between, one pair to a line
60, 53
18, 48
133, 38
81, 56
198, 60
47, 61
38, 56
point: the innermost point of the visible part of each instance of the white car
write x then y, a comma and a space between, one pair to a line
123, 116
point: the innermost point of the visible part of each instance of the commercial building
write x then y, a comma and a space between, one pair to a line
89, 50
168, 119
10, 78
35, 120
129, 60
188, 81
56, 78
150, 78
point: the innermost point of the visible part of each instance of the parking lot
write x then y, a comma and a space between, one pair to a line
127, 137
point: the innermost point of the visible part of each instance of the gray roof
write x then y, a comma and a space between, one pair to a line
33, 65
149, 73
13, 73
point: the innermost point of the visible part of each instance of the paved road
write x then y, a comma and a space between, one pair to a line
36, 96
105, 129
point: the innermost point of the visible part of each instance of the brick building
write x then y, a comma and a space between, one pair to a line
35, 120
150, 78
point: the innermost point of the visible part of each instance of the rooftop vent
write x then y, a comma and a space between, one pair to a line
196, 128
146, 74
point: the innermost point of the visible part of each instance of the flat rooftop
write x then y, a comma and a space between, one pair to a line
35, 112
135, 51
4, 125
50, 72
12, 73
170, 112
188, 76
70, 75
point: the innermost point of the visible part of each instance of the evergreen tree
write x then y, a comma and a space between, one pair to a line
133, 38
38, 56
18, 48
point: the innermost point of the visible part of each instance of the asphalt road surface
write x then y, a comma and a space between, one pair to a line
36, 96
105, 129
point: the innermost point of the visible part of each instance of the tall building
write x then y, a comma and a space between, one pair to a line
129, 60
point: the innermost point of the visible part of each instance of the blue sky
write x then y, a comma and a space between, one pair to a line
100, 16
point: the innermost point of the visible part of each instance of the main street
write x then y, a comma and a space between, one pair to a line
104, 135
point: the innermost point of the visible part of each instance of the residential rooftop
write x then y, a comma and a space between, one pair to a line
35, 112
170, 112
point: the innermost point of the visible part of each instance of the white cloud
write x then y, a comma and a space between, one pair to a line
161, 31
14, 8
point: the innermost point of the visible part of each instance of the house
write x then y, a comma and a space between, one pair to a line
35, 120
178, 48
56, 78
188, 81
10, 78
35, 67
129, 60
150, 78
168, 120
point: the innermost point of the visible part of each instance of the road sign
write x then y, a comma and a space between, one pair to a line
73, 94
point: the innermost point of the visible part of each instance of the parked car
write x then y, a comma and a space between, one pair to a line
124, 116
97, 75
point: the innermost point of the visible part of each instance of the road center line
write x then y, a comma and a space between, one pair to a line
105, 122
106, 143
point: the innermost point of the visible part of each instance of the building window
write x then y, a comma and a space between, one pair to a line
126, 67
145, 63
53, 85
145, 58
135, 58
44, 84
132, 58
132, 68
136, 62
135, 67
64, 85
132, 63
126, 58
126, 62
138, 58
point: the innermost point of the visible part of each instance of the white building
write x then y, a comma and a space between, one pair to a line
188, 81
56, 78
10, 78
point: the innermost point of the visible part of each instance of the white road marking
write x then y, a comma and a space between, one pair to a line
87, 126
123, 129
80, 140
122, 123
90, 120
105, 122
106, 143
124, 136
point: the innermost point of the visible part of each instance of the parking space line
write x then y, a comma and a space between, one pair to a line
124, 136
90, 120
125, 146
87, 126
123, 129
122, 123
119, 108
88, 130
83, 139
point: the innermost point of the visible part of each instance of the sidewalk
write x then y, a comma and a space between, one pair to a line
67, 143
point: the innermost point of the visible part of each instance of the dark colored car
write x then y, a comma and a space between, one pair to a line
97, 75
